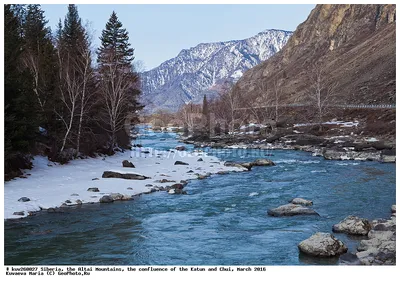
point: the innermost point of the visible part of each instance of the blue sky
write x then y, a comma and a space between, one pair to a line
159, 32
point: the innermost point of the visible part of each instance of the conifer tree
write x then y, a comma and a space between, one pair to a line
119, 83
115, 46
20, 125
73, 33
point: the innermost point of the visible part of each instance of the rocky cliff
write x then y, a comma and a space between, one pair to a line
353, 45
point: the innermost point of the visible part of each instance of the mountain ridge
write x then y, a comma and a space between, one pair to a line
195, 71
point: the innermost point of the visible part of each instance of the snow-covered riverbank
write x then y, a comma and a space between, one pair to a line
51, 185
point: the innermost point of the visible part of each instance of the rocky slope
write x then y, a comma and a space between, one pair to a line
353, 45
199, 70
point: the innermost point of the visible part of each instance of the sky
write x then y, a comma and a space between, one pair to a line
159, 32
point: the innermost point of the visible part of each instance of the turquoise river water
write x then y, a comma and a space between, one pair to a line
222, 221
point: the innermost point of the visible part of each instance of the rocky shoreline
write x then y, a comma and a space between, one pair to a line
344, 147
377, 245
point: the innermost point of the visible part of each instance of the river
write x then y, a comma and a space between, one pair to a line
222, 221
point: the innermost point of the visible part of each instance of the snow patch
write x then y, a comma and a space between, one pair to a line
51, 184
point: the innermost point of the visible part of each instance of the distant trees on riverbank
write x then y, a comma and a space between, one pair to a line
60, 101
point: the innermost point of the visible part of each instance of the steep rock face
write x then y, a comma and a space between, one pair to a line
353, 44
199, 70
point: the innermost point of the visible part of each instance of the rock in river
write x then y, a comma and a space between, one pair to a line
353, 225
180, 148
239, 165
247, 165
291, 209
301, 201
127, 163
176, 189
322, 245
262, 162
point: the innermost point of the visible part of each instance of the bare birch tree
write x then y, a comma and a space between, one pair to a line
69, 89
116, 84
85, 69
322, 93
232, 104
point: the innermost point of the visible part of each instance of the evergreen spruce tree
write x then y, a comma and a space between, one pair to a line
115, 46
73, 33
119, 84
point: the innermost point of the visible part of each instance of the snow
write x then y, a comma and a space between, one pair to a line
51, 184
341, 123
195, 70
237, 74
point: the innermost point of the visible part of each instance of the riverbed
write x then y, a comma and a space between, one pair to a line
221, 221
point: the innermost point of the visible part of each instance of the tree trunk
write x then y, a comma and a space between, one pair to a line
68, 129
82, 111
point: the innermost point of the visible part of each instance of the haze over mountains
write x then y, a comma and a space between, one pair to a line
199, 70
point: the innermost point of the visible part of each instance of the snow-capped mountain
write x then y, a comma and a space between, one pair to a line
199, 70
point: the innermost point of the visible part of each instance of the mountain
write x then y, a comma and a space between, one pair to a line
353, 45
199, 70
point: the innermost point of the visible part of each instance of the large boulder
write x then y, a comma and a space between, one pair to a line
262, 162
133, 176
301, 201
247, 165
290, 210
116, 196
106, 199
322, 245
353, 225
229, 163
127, 163
176, 189
239, 165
